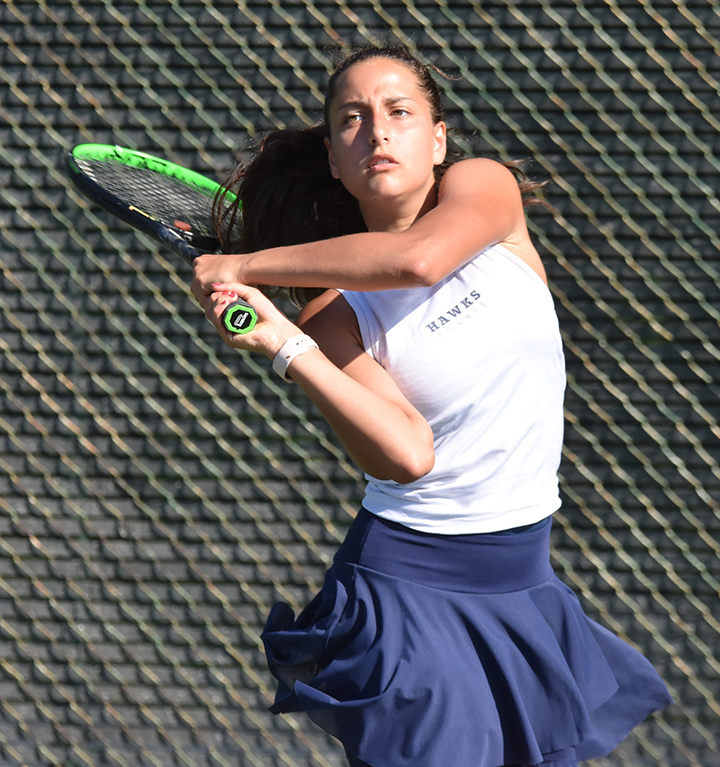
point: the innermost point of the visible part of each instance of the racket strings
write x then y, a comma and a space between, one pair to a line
176, 204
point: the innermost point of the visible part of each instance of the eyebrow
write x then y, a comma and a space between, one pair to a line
389, 101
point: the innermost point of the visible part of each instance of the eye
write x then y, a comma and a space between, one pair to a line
352, 117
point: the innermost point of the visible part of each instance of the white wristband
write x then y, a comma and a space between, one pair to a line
292, 348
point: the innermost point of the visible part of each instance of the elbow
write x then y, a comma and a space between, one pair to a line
420, 272
419, 268
413, 466
416, 458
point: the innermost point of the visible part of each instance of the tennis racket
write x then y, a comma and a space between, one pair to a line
169, 203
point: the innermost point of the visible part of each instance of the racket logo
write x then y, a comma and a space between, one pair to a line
141, 212
239, 317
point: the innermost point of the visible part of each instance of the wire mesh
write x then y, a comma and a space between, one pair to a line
159, 492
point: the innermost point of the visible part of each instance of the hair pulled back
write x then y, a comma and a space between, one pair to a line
288, 197
286, 194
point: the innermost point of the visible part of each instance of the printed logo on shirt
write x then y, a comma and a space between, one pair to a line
455, 314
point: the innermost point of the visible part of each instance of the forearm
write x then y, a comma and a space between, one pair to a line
479, 205
382, 432
366, 261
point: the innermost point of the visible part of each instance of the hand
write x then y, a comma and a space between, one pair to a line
272, 329
214, 268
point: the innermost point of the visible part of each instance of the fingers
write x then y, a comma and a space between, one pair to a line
210, 268
271, 330
197, 285
247, 293
215, 305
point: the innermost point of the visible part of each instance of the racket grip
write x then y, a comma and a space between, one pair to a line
239, 317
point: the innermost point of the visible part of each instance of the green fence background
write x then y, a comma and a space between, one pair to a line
158, 492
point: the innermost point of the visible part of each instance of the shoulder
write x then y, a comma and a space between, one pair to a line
481, 176
486, 195
480, 188
479, 169
328, 306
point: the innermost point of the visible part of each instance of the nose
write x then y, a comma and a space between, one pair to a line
379, 133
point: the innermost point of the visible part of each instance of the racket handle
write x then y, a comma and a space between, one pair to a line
239, 317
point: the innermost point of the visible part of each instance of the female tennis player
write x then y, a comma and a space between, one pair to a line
441, 635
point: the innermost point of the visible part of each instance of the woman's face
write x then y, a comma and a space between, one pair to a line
383, 142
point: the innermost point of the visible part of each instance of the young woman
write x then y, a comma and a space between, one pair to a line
441, 635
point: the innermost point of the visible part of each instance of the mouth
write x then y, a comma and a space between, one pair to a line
381, 162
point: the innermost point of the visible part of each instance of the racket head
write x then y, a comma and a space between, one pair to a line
166, 201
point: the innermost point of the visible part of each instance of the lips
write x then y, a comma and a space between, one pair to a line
380, 161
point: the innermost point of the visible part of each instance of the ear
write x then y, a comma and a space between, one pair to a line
331, 160
440, 142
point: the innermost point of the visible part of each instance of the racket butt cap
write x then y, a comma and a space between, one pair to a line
239, 317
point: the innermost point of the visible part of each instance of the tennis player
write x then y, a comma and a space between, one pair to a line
441, 635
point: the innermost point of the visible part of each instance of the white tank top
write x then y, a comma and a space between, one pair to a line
479, 355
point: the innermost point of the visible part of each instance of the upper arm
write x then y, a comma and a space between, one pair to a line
384, 434
479, 205
332, 323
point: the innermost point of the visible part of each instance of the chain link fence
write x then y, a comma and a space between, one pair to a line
158, 492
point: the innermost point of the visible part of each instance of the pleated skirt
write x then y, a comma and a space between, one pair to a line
425, 651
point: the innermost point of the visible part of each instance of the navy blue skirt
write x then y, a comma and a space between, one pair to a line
422, 650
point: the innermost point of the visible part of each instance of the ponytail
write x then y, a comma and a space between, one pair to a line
530, 190
288, 197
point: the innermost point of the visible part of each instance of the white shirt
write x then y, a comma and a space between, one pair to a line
479, 355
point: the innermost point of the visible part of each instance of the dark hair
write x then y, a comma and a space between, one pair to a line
288, 193
288, 197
